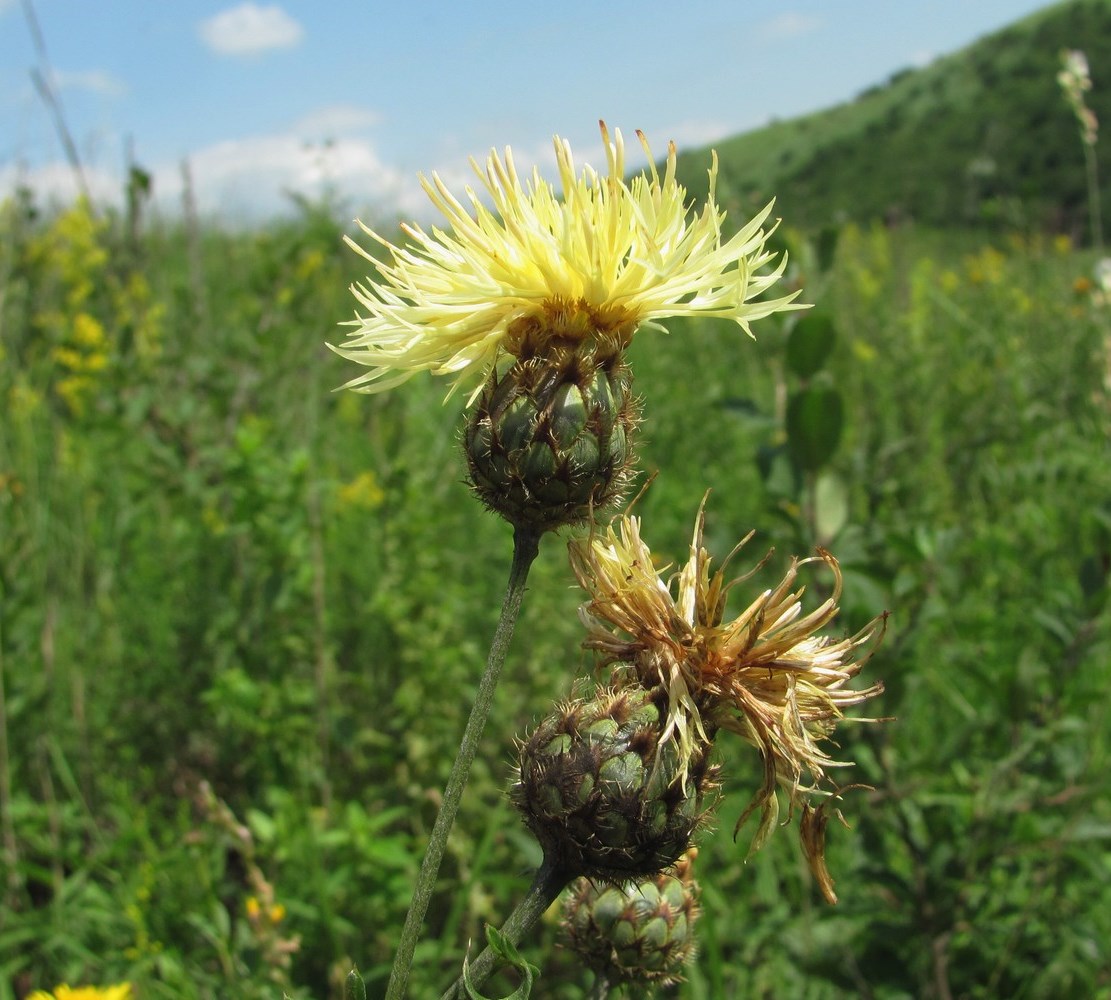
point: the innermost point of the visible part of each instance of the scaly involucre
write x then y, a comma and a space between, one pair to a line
765, 675
600, 260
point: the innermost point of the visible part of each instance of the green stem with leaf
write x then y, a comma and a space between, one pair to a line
550, 881
526, 545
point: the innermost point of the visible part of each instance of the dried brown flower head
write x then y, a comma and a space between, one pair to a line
766, 674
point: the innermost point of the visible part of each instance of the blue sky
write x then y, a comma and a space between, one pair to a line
264, 97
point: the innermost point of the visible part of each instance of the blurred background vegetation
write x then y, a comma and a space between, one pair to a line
241, 615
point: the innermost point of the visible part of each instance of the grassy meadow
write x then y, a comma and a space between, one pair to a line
242, 615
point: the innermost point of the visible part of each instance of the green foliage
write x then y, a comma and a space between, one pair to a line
353, 986
815, 416
508, 953
217, 573
810, 343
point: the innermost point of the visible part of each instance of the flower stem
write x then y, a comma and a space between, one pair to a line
549, 882
1095, 213
526, 544
601, 989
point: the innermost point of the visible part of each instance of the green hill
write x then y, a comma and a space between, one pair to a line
983, 136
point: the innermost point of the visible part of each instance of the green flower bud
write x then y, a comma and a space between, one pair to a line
602, 795
638, 933
550, 437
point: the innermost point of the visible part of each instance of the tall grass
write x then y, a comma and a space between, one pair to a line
217, 573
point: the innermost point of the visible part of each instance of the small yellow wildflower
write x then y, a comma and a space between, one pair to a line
122, 991
74, 390
68, 357
598, 262
985, 267
213, 520
363, 492
949, 280
88, 331
766, 675
253, 907
863, 351
1022, 303
72, 248
308, 265
97, 361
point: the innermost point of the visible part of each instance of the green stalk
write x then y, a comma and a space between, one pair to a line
1095, 212
601, 989
549, 882
526, 544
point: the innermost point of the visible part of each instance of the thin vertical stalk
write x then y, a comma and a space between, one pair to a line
53, 822
322, 654
194, 255
526, 545
43, 76
324, 672
810, 506
1095, 210
7, 825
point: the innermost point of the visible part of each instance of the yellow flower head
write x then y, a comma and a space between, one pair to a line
119, 992
600, 260
765, 675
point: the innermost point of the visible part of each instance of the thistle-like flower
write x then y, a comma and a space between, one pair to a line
765, 675
608, 256
531, 303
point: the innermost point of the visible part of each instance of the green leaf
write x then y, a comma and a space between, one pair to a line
831, 505
810, 344
353, 986
262, 826
815, 417
508, 953
1093, 576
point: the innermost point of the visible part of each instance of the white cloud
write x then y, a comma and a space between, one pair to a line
692, 134
324, 153
250, 28
250, 178
789, 24
56, 182
329, 153
256, 172
97, 81
337, 119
